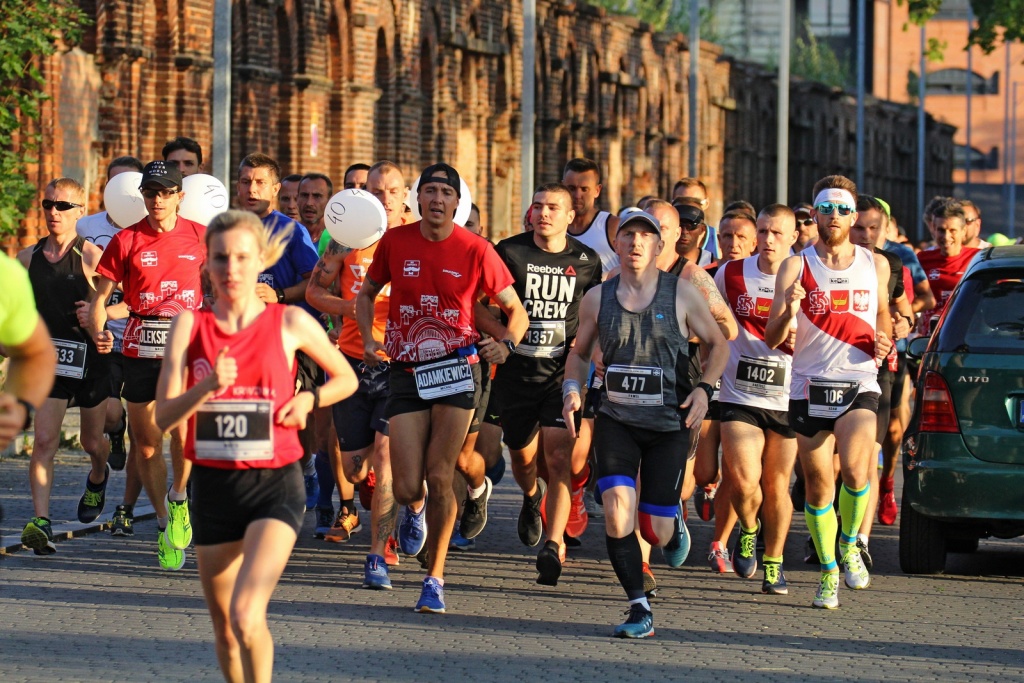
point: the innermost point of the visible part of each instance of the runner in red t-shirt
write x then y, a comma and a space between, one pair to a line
230, 372
158, 262
436, 272
945, 263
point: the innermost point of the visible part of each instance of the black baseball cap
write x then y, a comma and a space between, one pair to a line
638, 216
442, 173
161, 173
689, 213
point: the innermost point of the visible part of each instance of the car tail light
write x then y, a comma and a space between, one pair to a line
937, 413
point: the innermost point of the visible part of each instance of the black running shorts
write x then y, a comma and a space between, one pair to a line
225, 502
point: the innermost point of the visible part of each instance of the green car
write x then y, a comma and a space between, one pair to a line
963, 454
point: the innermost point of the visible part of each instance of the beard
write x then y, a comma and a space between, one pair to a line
832, 236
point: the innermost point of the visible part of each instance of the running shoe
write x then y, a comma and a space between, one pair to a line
496, 471
774, 580
744, 554
366, 488
827, 596
90, 505
312, 489
678, 547
423, 557
179, 524
594, 509
887, 509
650, 583
391, 552
704, 502
171, 558
118, 453
578, 517
431, 597
121, 524
865, 554
375, 573
855, 574
810, 552
38, 535
719, 559
324, 521
474, 513
530, 527
460, 542
639, 623
412, 531
346, 524
549, 567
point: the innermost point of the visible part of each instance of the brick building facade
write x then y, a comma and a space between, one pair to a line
320, 84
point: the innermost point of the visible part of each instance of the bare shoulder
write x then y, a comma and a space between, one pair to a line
25, 256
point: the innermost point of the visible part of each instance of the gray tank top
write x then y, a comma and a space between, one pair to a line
645, 357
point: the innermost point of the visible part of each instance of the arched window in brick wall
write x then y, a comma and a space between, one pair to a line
594, 114
565, 128
339, 67
285, 93
428, 110
384, 107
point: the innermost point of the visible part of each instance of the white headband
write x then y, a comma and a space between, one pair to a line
836, 195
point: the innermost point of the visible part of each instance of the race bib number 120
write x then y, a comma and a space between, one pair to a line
235, 430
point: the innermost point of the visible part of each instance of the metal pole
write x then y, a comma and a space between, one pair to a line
861, 89
920, 141
1013, 168
782, 129
970, 90
694, 72
221, 166
528, 100
1007, 152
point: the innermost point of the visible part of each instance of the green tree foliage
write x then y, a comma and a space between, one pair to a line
817, 61
30, 31
996, 20
662, 15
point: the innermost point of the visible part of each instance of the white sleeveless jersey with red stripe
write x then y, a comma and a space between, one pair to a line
835, 334
756, 375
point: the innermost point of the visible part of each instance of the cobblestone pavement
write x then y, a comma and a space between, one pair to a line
101, 610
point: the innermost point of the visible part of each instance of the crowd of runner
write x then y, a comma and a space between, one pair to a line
629, 362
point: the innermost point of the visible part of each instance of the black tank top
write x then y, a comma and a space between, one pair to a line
57, 286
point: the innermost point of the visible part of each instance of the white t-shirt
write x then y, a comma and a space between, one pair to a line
99, 229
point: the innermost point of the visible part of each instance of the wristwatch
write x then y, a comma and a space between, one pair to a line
30, 413
708, 389
280, 295
510, 345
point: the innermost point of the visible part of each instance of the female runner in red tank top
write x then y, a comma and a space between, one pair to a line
230, 372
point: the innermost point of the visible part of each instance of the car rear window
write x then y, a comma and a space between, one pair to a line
987, 315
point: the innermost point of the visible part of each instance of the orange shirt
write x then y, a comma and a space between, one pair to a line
350, 280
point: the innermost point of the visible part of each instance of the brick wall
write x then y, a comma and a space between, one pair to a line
321, 84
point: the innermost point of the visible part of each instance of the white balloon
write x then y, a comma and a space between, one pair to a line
123, 200
461, 212
355, 219
205, 197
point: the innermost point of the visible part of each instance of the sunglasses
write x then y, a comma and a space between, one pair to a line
150, 193
60, 206
826, 208
804, 221
690, 227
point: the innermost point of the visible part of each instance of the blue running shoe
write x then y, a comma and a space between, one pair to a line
432, 597
375, 574
744, 554
639, 623
774, 580
324, 521
679, 546
412, 532
496, 472
460, 542
312, 489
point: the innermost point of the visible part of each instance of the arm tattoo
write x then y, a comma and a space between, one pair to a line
324, 274
702, 281
507, 297
336, 248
